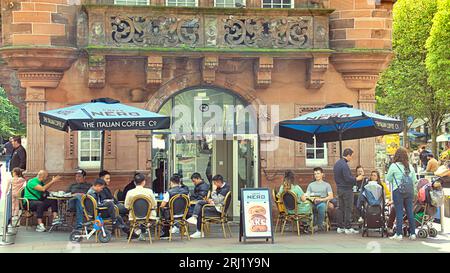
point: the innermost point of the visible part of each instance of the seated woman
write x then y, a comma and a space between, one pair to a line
17, 182
304, 206
34, 190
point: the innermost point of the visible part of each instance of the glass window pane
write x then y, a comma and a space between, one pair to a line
85, 156
319, 145
95, 144
320, 154
310, 154
84, 134
84, 145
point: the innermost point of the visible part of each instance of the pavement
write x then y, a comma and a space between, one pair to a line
327, 242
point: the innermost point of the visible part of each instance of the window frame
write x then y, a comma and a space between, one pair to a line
147, 4
316, 162
291, 7
234, 1
88, 164
167, 4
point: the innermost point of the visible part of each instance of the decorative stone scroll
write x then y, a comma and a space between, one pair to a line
155, 30
285, 32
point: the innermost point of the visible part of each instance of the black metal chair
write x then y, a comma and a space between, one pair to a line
220, 219
178, 209
141, 208
290, 203
91, 211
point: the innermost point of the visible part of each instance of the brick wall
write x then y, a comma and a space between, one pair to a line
361, 24
41, 22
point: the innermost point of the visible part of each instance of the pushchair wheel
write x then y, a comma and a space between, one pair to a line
104, 238
432, 232
75, 236
422, 233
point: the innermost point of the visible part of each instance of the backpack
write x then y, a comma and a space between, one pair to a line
406, 186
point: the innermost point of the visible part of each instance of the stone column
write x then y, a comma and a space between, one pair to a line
35, 84
143, 152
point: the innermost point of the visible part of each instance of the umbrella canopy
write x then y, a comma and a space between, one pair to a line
443, 138
103, 114
337, 122
413, 134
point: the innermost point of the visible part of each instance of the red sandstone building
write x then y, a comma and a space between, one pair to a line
156, 54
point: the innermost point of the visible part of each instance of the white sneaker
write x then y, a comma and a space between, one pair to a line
175, 230
197, 235
141, 237
413, 237
340, 230
353, 231
396, 237
360, 220
41, 228
192, 220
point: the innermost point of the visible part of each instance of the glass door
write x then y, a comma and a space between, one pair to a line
245, 166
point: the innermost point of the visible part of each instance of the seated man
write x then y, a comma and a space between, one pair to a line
217, 199
96, 191
175, 187
34, 190
107, 194
78, 188
323, 193
201, 188
139, 180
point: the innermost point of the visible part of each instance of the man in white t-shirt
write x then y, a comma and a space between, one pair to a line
322, 192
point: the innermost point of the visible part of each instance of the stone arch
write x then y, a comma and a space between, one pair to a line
195, 79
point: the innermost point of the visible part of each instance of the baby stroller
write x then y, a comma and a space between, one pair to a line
429, 197
372, 204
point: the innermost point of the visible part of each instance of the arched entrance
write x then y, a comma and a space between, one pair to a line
213, 131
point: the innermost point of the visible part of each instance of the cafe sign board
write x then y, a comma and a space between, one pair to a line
256, 214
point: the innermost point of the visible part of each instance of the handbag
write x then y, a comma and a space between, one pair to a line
406, 186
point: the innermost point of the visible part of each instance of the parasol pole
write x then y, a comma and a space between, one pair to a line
340, 144
102, 150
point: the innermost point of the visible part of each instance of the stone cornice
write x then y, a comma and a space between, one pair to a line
48, 79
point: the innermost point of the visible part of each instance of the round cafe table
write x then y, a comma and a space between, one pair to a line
62, 211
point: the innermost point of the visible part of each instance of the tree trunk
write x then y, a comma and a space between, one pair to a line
434, 132
405, 133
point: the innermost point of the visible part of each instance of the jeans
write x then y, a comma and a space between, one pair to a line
346, 201
8, 160
319, 213
404, 201
209, 211
41, 206
75, 205
110, 210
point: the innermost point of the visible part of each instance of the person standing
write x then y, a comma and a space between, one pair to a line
401, 171
8, 150
423, 157
19, 155
345, 182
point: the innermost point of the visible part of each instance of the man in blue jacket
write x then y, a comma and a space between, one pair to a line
344, 183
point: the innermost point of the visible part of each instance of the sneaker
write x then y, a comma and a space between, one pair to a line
192, 220
316, 228
197, 235
350, 231
164, 237
41, 228
413, 237
175, 230
360, 220
142, 237
396, 237
340, 230
321, 228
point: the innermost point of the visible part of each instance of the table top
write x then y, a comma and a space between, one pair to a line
59, 197
192, 202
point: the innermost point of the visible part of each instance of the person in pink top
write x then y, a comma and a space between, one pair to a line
17, 182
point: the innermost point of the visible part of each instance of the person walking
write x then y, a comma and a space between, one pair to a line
19, 156
8, 150
345, 182
402, 177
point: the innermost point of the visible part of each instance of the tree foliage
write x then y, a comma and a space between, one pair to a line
405, 88
10, 123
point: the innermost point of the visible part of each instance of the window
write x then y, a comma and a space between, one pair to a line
228, 3
182, 3
132, 2
316, 155
89, 149
277, 4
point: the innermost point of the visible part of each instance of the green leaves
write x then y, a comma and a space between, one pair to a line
9, 117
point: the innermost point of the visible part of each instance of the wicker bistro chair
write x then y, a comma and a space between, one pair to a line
280, 209
221, 219
91, 211
141, 208
178, 209
290, 203
25, 212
